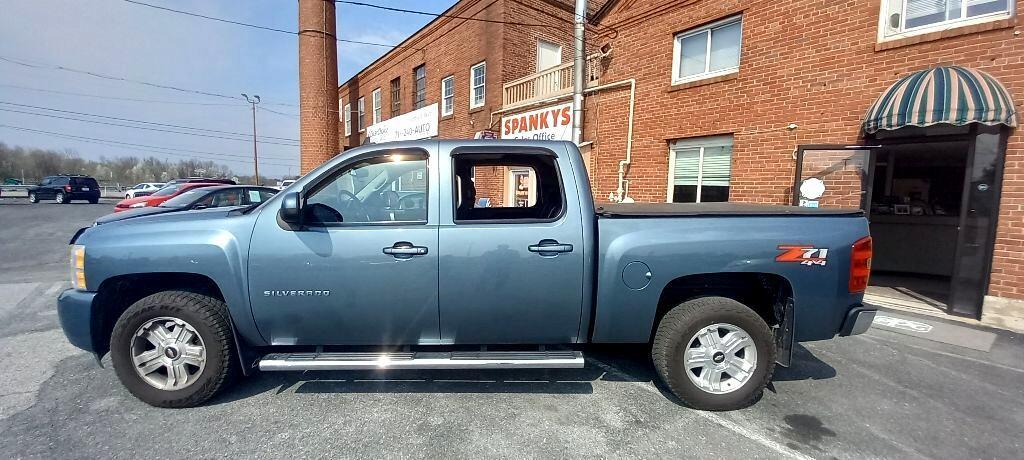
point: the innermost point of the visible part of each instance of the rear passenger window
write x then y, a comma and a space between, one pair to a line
507, 187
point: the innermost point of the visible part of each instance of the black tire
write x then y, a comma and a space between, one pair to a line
671, 341
208, 316
60, 198
94, 200
32, 198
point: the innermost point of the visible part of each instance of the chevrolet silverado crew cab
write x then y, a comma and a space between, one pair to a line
460, 255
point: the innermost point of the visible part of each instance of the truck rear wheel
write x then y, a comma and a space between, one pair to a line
174, 349
714, 353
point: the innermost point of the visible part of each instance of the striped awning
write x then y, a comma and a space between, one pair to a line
952, 95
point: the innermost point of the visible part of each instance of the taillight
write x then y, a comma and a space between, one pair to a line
67, 188
860, 264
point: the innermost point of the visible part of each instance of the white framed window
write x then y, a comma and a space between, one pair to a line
477, 85
346, 115
707, 51
448, 95
361, 103
700, 169
376, 98
548, 55
905, 18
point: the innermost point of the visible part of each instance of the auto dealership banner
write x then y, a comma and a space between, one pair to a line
418, 124
550, 123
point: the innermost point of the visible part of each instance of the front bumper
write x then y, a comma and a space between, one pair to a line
75, 310
858, 320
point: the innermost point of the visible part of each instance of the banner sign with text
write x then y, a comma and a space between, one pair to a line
418, 124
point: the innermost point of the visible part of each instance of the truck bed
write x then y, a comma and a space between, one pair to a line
716, 209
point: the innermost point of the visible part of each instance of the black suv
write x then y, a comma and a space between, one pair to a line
64, 188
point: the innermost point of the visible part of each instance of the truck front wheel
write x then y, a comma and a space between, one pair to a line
174, 348
714, 353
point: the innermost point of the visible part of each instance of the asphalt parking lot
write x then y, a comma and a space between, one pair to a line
884, 394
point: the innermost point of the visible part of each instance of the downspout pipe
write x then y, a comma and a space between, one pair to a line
579, 70
620, 190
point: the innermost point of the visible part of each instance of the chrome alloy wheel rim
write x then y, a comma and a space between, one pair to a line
720, 358
168, 353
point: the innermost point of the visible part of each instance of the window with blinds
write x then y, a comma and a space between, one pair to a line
902, 16
700, 169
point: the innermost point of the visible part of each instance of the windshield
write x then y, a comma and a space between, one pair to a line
168, 190
184, 199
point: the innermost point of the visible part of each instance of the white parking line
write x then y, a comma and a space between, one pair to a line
710, 416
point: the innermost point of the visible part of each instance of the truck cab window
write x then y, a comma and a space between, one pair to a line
386, 188
517, 187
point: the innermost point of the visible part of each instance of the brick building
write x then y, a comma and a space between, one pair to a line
731, 98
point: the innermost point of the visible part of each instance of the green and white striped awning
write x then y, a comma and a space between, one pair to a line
953, 95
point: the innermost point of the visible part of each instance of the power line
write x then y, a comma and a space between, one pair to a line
147, 122
115, 98
63, 136
442, 15
467, 18
246, 24
26, 63
129, 144
289, 115
142, 127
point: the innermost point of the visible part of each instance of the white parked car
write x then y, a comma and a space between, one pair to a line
143, 189
285, 183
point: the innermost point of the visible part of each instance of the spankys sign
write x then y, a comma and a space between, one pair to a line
549, 124
418, 124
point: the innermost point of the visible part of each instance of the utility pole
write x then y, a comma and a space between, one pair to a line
578, 70
255, 158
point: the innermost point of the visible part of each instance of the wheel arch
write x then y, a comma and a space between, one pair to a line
765, 293
117, 293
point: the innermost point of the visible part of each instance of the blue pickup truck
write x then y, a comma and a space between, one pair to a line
462, 255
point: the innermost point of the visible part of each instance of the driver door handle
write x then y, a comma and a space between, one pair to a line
546, 246
405, 250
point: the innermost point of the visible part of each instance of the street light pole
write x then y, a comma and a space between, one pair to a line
255, 157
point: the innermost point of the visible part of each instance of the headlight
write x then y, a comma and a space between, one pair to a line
138, 205
78, 267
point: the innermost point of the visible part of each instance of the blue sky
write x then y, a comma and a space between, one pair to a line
125, 40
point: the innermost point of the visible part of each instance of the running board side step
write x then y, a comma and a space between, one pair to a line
331, 361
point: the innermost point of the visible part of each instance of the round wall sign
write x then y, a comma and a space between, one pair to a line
812, 188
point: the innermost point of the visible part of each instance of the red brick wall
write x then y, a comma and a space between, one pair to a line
447, 47
809, 62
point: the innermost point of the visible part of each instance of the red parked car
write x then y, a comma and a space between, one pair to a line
159, 196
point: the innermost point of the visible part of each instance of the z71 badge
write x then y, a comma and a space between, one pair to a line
802, 254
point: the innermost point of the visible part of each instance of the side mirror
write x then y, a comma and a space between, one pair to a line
290, 212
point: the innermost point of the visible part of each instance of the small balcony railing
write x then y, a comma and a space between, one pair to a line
549, 83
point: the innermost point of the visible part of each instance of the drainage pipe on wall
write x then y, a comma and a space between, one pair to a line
620, 189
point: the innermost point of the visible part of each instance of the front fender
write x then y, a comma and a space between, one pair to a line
214, 245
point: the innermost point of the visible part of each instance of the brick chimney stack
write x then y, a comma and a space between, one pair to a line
318, 83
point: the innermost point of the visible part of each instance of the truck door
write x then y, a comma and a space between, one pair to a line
512, 250
361, 269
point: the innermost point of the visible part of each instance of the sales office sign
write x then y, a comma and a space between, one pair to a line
548, 124
418, 124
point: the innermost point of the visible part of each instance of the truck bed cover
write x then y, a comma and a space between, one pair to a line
716, 209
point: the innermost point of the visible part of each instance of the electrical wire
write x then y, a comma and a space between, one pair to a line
442, 15
246, 24
468, 18
129, 144
289, 115
27, 63
115, 98
145, 128
26, 106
